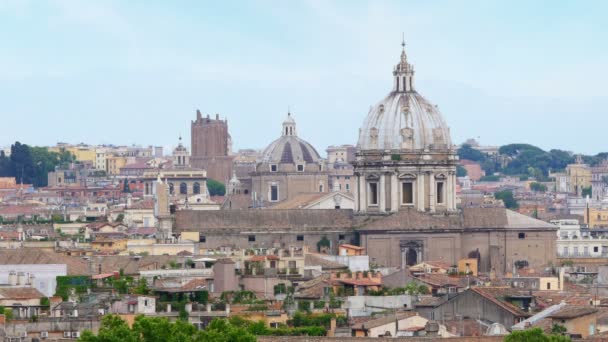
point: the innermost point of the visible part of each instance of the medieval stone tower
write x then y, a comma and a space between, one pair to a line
211, 147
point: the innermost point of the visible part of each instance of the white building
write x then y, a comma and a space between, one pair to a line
576, 242
44, 276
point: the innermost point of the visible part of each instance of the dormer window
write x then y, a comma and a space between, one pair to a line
300, 167
274, 168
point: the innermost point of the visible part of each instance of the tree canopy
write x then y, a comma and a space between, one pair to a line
534, 335
31, 164
507, 198
215, 188
158, 329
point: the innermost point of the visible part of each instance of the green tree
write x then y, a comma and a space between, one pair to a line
557, 329
323, 243
535, 186
507, 198
534, 335
461, 171
113, 329
120, 217
586, 191
466, 152
7, 312
215, 188
142, 287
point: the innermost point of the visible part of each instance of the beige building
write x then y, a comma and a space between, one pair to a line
579, 177
289, 166
114, 164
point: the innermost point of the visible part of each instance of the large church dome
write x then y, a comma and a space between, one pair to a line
289, 149
404, 119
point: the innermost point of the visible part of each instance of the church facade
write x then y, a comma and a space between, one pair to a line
405, 197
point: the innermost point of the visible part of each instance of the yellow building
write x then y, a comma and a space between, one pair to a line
579, 176
114, 164
81, 153
468, 266
109, 246
596, 218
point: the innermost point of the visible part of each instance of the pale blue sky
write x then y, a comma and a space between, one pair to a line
128, 72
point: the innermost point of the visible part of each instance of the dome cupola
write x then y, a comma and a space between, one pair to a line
404, 119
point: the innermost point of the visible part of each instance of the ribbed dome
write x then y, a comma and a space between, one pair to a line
290, 149
404, 120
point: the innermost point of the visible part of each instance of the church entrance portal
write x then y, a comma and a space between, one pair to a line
411, 252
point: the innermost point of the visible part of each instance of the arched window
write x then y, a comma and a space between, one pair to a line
183, 189
196, 188
171, 189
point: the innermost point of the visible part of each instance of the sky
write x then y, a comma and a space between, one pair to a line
135, 72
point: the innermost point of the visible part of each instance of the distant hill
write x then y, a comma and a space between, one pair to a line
526, 160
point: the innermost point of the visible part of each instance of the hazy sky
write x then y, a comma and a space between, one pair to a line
134, 72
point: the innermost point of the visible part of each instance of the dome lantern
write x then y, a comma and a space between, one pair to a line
289, 126
403, 73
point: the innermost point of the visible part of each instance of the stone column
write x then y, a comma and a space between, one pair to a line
450, 190
432, 197
394, 193
420, 193
362, 193
382, 193
453, 194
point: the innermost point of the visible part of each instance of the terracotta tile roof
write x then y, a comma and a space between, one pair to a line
497, 294
75, 265
263, 258
346, 245
313, 288
570, 312
359, 282
20, 293
263, 219
145, 204
311, 259
299, 201
377, 322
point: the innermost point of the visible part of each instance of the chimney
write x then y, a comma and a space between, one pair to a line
20, 278
12, 278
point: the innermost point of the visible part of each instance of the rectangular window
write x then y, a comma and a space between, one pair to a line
407, 195
373, 193
341, 236
548, 286
273, 168
347, 187
202, 238
251, 238
575, 251
521, 236
439, 192
274, 193
595, 249
300, 168
300, 237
